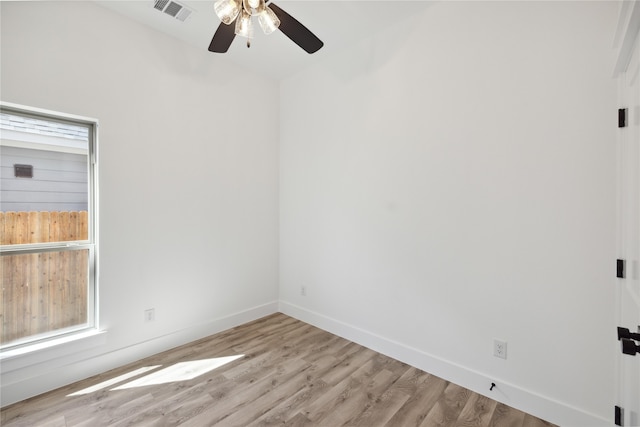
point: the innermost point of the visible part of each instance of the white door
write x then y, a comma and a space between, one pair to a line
628, 287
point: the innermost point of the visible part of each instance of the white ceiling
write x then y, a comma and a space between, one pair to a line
337, 23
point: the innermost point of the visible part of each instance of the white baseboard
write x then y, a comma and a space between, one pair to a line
51, 371
533, 403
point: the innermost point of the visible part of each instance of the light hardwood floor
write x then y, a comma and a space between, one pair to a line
286, 373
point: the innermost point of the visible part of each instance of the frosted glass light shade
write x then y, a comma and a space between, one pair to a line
268, 20
253, 7
227, 10
244, 27
254, 4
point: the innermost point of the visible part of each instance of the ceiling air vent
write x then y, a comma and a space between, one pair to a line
172, 8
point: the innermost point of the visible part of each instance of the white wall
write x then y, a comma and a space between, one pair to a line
452, 181
188, 192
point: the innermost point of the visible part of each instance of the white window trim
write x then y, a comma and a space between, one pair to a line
29, 354
46, 351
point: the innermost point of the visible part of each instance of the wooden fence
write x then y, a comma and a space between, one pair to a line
44, 291
41, 227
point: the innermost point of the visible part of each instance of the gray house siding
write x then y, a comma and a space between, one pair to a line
59, 180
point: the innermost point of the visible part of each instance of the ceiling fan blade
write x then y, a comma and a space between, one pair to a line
223, 38
297, 32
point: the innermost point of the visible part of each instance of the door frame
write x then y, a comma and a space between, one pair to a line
626, 37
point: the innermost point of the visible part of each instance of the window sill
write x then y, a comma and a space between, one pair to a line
30, 355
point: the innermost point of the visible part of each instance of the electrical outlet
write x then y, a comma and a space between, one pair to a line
499, 348
150, 315
303, 291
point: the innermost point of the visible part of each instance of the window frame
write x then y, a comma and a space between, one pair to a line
91, 243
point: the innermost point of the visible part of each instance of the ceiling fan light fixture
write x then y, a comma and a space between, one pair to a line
244, 27
270, 18
227, 10
269, 22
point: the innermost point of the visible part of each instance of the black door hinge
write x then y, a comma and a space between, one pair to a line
620, 269
618, 416
628, 340
622, 117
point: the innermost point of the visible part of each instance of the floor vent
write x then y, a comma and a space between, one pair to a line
172, 8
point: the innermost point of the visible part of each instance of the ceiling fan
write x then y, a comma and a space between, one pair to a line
270, 17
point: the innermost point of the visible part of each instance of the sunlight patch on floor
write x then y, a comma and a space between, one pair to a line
113, 381
181, 371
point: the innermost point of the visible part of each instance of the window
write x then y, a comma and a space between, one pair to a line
47, 225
